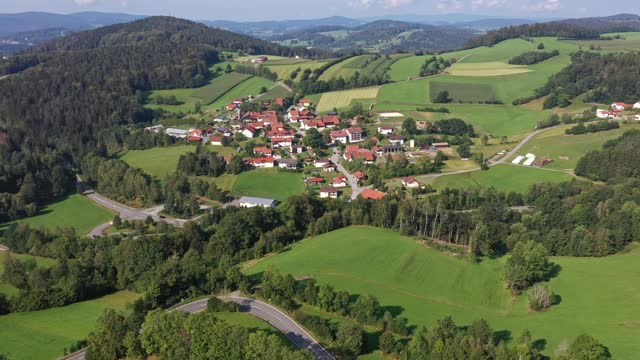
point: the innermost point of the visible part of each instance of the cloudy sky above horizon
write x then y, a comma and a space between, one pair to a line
288, 9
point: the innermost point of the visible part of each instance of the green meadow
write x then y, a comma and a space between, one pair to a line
76, 211
157, 162
566, 150
597, 296
502, 177
268, 183
461, 92
248, 87
207, 94
284, 71
45, 334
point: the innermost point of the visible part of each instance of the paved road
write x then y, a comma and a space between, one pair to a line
264, 311
356, 190
284, 323
99, 230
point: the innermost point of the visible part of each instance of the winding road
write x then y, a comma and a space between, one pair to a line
259, 309
356, 189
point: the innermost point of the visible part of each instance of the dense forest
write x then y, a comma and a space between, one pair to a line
604, 79
617, 159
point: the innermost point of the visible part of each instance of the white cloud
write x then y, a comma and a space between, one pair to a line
449, 5
84, 2
479, 4
386, 4
545, 5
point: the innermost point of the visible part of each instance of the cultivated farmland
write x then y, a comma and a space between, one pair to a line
248, 87
487, 69
341, 99
427, 285
468, 93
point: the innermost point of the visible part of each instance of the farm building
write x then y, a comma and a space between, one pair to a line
396, 139
372, 194
529, 161
329, 192
392, 149
620, 106
177, 133
263, 162
315, 180
440, 145
410, 182
517, 160
636, 106
288, 164
216, 140
606, 114
248, 201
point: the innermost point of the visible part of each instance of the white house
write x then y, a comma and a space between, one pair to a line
216, 140
410, 182
636, 106
248, 132
605, 114
248, 201
620, 106
637, 117
329, 192
339, 182
321, 162
385, 130
396, 139
263, 163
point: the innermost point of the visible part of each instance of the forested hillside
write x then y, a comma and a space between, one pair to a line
618, 158
605, 79
68, 90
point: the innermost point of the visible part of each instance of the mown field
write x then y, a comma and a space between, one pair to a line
502, 177
426, 285
44, 334
276, 92
157, 162
364, 64
566, 150
248, 87
268, 183
495, 68
341, 99
284, 71
76, 211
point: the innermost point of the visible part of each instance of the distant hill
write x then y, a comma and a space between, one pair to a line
267, 29
383, 35
21, 41
582, 28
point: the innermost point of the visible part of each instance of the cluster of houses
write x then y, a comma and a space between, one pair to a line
616, 109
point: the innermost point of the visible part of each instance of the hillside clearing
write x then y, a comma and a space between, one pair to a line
268, 183
157, 162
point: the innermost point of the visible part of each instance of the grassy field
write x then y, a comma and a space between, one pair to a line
412, 93
340, 99
44, 334
425, 285
468, 93
631, 42
76, 211
284, 71
365, 64
268, 183
566, 150
42, 262
248, 87
207, 94
276, 92
502, 177
157, 162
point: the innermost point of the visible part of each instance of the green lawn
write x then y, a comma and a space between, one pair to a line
44, 334
426, 285
276, 92
566, 150
157, 162
76, 211
268, 183
502, 177
411, 93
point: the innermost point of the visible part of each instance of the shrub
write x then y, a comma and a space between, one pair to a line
540, 297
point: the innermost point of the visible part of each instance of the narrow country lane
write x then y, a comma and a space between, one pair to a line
259, 309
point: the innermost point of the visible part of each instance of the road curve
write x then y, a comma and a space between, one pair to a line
259, 309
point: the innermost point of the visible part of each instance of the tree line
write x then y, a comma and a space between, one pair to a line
533, 57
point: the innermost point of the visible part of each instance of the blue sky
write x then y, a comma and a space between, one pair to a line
288, 9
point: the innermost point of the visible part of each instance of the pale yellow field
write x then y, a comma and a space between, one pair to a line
340, 99
487, 69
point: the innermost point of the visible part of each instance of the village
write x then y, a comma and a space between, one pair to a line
333, 153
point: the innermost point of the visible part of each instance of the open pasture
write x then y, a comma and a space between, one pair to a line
426, 285
343, 98
502, 177
75, 211
460, 92
157, 162
566, 150
268, 183
44, 334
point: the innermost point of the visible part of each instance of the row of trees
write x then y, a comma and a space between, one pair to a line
533, 57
